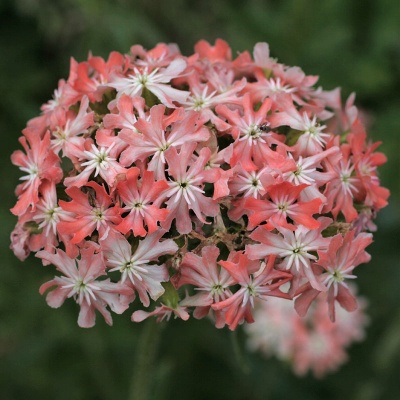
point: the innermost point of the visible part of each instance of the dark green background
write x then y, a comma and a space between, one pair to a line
43, 353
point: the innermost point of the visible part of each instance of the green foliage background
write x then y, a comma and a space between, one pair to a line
43, 354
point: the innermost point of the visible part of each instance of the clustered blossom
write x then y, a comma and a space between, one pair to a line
313, 343
199, 185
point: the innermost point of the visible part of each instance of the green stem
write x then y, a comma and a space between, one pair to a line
238, 352
144, 367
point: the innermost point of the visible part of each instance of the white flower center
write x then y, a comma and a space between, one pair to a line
33, 172
80, 289
99, 159
130, 268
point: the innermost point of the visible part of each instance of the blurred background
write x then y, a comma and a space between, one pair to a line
43, 354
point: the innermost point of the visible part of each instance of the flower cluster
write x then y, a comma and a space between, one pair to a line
313, 343
196, 185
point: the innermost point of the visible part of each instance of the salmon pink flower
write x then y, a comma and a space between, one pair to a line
253, 136
138, 197
366, 163
125, 119
40, 163
91, 76
65, 135
282, 205
64, 97
219, 52
91, 212
338, 262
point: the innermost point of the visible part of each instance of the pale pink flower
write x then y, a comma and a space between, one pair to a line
312, 343
275, 79
159, 56
320, 344
154, 81
270, 87
137, 268
204, 98
273, 331
20, 241
80, 281
220, 77
262, 57
341, 190
48, 215
154, 138
185, 191
364, 221
319, 351
295, 248
162, 313
100, 160
250, 183
312, 140
211, 282
310, 171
